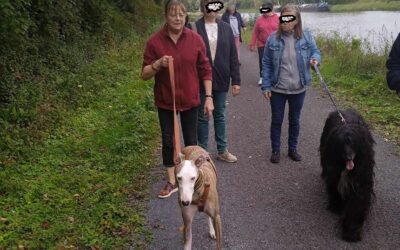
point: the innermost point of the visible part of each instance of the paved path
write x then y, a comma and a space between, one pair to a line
269, 206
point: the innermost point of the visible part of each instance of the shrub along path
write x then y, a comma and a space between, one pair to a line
279, 206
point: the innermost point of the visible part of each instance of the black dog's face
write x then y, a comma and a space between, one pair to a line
348, 152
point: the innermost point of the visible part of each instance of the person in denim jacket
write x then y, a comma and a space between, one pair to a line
288, 56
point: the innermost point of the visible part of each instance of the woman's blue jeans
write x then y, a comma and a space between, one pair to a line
219, 100
278, 102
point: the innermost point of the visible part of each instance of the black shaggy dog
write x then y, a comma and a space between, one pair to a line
347, 160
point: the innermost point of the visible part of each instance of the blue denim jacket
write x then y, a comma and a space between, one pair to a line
305, 47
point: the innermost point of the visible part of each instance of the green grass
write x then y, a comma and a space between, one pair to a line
366, 5
84, 186
357, 77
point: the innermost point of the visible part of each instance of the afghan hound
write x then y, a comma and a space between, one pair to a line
347, 160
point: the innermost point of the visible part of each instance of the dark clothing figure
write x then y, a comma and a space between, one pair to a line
225, 66
393, 66
241, 24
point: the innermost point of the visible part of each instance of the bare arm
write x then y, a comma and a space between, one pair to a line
209, 104
151, 70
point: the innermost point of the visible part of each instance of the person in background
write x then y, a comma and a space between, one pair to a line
225, 68
393, 66
171, 42
267, 23
288, 55
233, 17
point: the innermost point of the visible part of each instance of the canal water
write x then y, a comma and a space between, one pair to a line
377, 28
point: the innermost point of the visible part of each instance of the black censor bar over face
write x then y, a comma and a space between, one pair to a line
214, 6
287, 19
265, 10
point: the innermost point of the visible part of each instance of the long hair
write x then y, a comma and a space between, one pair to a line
298, 29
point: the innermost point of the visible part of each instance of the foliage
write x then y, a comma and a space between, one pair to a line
82, 187
43, 44
366, 5
75, 122
356, 75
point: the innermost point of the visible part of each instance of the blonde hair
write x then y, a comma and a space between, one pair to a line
172, 4
298, 29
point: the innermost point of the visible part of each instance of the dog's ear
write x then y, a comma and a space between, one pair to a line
180, 158
200, 161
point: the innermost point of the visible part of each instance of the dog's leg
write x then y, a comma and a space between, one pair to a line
335, 201
218, 230
211, 228
355, 213
187, 215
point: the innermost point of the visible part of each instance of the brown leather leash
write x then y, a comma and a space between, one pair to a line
177, 137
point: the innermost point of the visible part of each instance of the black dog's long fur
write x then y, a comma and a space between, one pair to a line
351, 196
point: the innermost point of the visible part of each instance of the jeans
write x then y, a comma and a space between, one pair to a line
189, 130
278, 102
260, 56
219, 100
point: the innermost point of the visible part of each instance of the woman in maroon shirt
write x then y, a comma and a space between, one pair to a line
191, 68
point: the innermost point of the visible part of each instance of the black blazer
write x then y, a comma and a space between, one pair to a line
393, 66
226, 65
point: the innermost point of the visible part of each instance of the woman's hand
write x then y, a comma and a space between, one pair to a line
235, 90
163, 62
267, 95
314, 61
208, 107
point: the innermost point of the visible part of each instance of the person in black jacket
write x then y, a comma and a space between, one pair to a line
233, 17
221, 52
393, 66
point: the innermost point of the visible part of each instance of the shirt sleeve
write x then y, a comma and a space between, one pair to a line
149, 55
255, 34
393, 66
203, 64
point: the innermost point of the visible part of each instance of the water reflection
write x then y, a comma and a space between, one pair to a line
378, 28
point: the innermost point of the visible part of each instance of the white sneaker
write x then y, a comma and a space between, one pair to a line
260, 82
227, 157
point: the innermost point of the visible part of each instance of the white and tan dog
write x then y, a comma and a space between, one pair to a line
197, 181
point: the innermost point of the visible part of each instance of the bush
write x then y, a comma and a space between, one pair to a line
43, 47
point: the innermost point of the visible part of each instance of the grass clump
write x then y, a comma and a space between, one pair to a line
84, 185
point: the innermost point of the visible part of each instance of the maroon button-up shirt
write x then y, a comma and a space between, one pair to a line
191, 68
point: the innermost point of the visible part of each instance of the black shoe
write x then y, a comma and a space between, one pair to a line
294, 155
275, 157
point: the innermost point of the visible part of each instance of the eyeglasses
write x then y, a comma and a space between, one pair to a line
180, 15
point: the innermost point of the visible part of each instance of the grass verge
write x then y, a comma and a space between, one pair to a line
83, 187
357, 77
367, 6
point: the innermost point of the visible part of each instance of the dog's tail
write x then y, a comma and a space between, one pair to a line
218, 231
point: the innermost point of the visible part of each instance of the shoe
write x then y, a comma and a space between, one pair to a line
167, 190
275, 157
227, 157
294, 155
260, 82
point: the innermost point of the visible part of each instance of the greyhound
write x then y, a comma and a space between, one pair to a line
197, 185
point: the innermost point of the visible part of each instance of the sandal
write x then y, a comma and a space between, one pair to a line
167, 190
